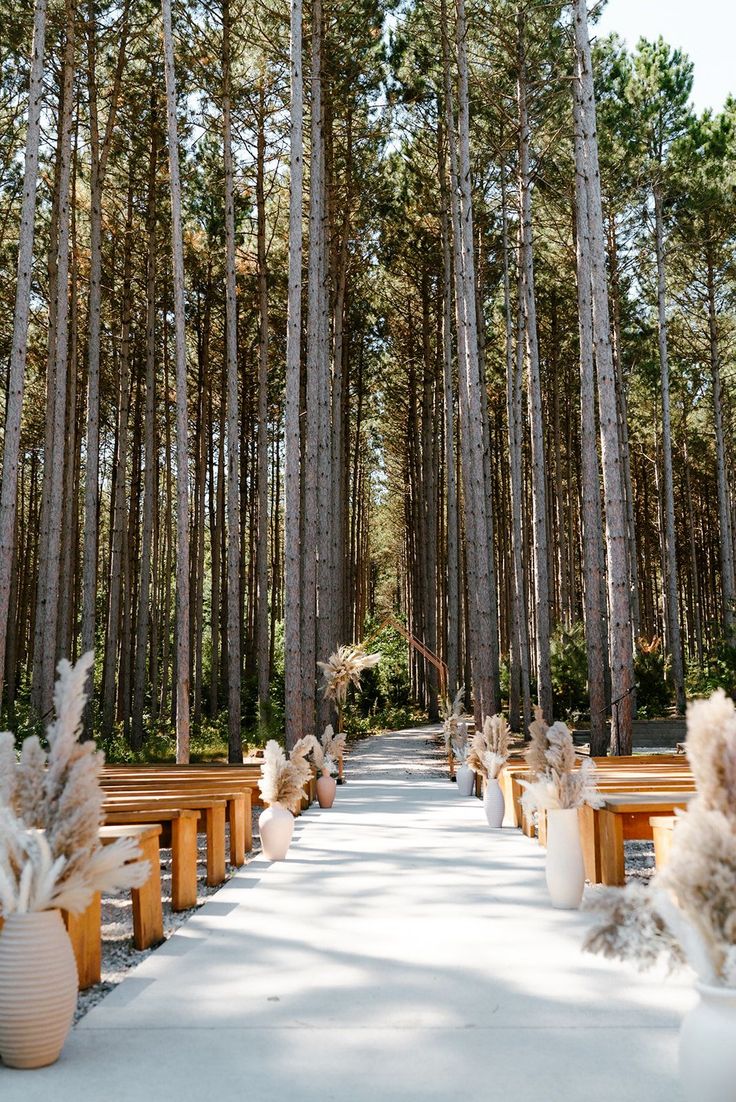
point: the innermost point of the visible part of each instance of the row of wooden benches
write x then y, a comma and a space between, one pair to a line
168, 806
640, 794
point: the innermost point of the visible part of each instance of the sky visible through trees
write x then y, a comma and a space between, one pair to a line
319, 315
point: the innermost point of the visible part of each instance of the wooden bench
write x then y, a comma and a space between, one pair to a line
180, 832
210, 811
236, 794
622, 818
663, 830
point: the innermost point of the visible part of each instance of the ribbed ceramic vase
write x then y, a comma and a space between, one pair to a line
326, 789
275, 826
493, 803
38, 989
565, 869
707, 1048
465, 780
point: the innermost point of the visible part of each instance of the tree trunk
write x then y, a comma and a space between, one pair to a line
19, 348
674, 640
539, 476
595, 613
182, 416
292, 429
619, 597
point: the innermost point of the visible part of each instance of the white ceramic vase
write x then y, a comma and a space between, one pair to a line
565, 869
493, 803
465, 780
326, 789
38, 989
275, 826
707, 1049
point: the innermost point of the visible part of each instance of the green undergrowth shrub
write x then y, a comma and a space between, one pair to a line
654, 695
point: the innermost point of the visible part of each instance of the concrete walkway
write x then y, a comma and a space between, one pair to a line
402, 952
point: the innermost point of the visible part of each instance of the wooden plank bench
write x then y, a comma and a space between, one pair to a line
210, 812
180, 831
236, 794
623, 818
85, 930
663, 829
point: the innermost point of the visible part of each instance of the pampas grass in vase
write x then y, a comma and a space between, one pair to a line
451, 712
343, 668
687, 913
460, 749
281, 785
51, 859
326, 755
561, 785
489, 750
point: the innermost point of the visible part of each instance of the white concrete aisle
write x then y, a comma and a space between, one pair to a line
402, 952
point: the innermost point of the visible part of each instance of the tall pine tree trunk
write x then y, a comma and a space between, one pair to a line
619, 596
182, 416
19, 348
539, 476
674, 641
292, 431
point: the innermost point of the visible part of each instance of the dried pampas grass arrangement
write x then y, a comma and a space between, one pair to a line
282, 779
689, 910
490, 749
328, 752
460, 744
557, 784
51, 812
451, 712
343, 668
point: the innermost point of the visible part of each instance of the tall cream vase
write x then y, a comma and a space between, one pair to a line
564, 866
38, 989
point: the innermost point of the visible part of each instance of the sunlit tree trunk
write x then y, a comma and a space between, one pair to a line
182, 445
292, 431
539, 476
619, 597
595, 613
16, 374
674, 640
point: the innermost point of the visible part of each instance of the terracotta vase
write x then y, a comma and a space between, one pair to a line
38, 989
707, 1051
493, 803
275, 826
564, 866
326, 789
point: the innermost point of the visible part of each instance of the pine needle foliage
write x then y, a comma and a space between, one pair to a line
51, 812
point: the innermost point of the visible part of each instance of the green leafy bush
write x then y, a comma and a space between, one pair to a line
718, 671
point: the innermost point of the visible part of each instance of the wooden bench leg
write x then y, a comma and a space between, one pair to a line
248, 833
184, 863
542, 826
215, 820
85, 934
590, 841
237, 811
613, 871
148, 919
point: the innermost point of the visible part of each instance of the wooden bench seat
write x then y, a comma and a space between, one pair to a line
622, 818
85, 930
210, 811
237, 796
179, 830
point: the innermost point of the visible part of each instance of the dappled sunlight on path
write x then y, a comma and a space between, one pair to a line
402, 952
